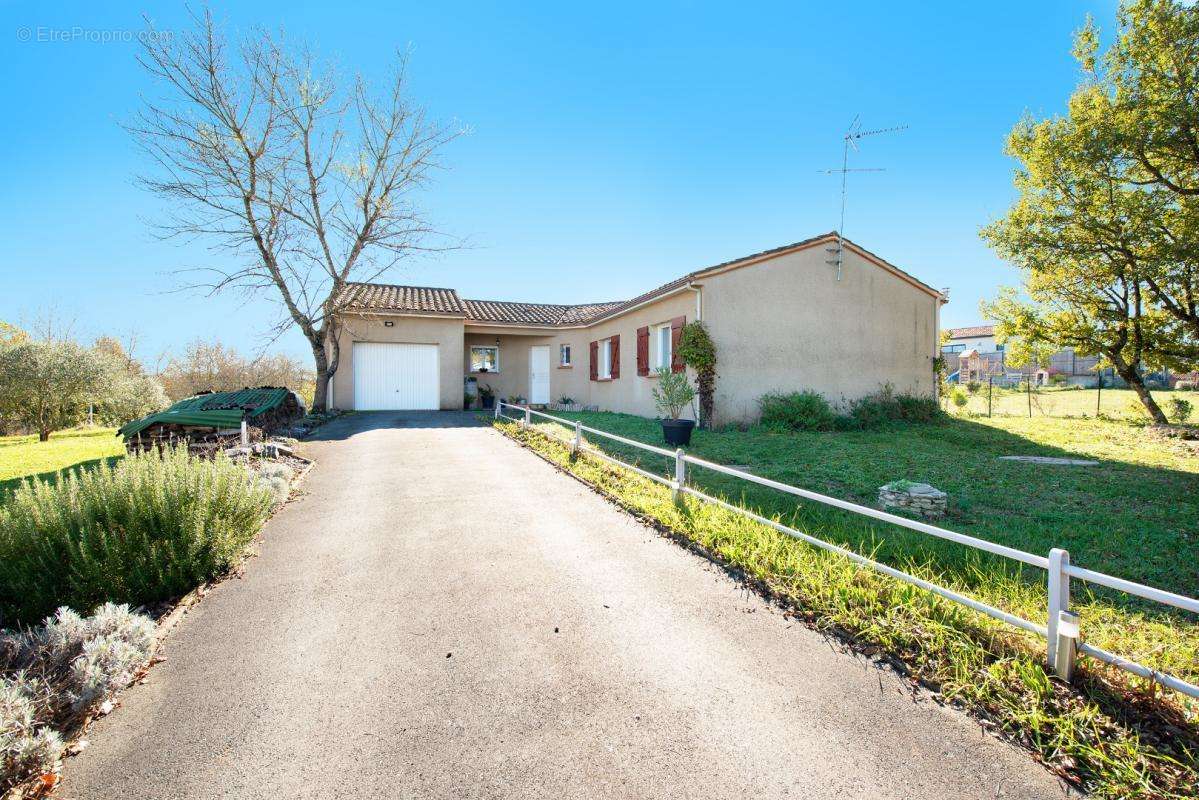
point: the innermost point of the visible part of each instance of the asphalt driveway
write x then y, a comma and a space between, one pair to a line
443, 615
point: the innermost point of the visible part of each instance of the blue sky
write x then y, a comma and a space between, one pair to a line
612, 147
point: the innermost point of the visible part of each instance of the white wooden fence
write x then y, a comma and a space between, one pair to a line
1062, 630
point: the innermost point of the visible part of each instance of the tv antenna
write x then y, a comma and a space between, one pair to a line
852, 135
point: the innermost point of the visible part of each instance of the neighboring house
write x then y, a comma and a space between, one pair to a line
780, 319
978, 337
979, 357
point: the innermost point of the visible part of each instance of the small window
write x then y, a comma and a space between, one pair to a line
660, 348
564, 355
485, 359
953, 348
605, 354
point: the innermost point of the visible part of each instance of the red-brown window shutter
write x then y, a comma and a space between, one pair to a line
615, 345
643, 350
676, 336
594, 360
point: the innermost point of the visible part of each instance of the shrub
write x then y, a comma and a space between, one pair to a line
278, 487
1185, 386
27, 748
800, 411
809, 411
55, 672
149, 528
1180, 409
673, 393
973, 386
275, 469
913, 408
885, 406
959, 398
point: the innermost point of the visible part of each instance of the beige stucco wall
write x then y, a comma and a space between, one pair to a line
788, 324
514, 344
442, 331
631, 393
513, 377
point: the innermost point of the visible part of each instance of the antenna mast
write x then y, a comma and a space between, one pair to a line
852, 134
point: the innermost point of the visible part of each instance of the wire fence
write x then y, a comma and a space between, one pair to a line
995, 398
1062, 630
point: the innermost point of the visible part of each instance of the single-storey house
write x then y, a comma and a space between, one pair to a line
784, 319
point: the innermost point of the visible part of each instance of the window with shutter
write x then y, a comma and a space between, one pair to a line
614, 343
643, 350
676, 335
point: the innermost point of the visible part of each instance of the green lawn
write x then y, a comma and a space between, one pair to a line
1135, 515
25, 456
1060, 402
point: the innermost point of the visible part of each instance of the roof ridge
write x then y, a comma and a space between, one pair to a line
517, 303
402, 286
608, 308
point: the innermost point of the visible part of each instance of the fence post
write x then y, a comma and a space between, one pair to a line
527, 417
245, 434
578, 441
498, 403
680, 475
1062, 623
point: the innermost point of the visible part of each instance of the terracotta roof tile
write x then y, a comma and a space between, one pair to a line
387, 297
504, 311
577, 315
977, 330
382, 297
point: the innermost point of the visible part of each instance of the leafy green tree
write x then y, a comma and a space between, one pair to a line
11, 335
130, 392
1023, 347
1105, 222
48, 385
1103, 321
1143, 107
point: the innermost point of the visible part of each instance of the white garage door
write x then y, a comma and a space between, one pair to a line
392, 377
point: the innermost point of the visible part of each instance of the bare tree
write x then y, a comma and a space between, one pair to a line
303, 185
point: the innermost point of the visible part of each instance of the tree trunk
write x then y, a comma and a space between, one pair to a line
43, 435
320, 397
1133, 379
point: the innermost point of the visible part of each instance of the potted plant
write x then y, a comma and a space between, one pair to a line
487, 395
672, 394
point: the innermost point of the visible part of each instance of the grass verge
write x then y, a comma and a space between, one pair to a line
1104, 734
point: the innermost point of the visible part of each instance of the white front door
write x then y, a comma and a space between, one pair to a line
392, 376
539, 374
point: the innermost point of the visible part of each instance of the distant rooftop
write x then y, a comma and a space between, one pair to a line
971, 332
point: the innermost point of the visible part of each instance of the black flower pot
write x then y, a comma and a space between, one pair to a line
488, 402
677, 432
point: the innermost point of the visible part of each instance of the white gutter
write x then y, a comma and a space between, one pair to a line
699, 300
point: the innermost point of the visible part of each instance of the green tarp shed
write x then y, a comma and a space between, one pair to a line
213, 410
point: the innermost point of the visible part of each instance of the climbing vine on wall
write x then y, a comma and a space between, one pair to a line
698, 352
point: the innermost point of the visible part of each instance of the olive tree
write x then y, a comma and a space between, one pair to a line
47, 385
299, 183
131, 392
